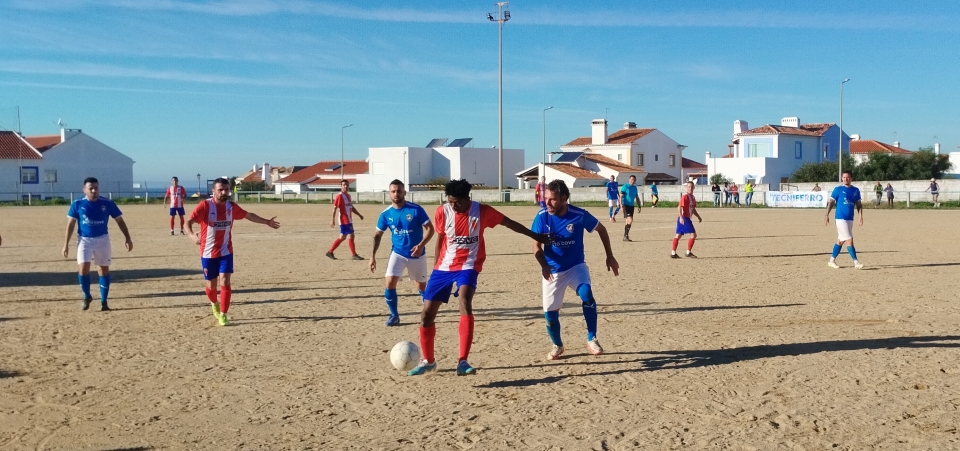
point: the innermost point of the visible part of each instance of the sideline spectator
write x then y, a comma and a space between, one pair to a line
735, 191
934, 192
878, 189
889, 191
748, 188
816, 187
726, 193
716, 194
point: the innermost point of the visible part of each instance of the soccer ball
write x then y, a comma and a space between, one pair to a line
405, 356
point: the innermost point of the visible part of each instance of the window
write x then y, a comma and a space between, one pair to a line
619, 157
656, 157
673, 160
640, 160
826, 151
474, 167
798, 150
50, 175
29, 175
758, 150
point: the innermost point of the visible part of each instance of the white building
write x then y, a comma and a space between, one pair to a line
861, 149
771, 153
323, 176
52, 165
418, 165
647, 150
582, 170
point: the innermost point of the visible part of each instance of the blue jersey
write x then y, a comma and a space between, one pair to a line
629, 194
846, 198
653, 189
406, 227
92, 216
567, 231
612, 190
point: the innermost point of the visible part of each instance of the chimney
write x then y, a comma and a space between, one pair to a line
629, 125
855, 137
599, 131
896, 144
936, 148
740, 127
265, 174
790, 122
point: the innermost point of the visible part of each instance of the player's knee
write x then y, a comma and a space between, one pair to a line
586, 294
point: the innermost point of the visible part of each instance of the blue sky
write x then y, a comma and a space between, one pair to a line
216, 86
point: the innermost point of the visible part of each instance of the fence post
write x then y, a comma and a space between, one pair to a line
908, 199
29, 198
110, 195
146, 197
71, 197
306, 199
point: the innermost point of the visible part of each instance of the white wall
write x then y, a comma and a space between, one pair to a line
656, 143
479, 164
420, 164
738, 169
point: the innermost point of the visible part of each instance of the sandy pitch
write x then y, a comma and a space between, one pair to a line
756, 345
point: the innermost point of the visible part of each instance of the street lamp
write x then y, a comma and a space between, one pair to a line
199, 190
502, 16
545, 134
341, 149
840, 154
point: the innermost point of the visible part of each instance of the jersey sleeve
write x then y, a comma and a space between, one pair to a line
382, 222
114, 211
684, 201
439, 220
238, 212
539, 225
338, 200
590, 222
422, 217
490, 217
72, 211
199, 213
835, 194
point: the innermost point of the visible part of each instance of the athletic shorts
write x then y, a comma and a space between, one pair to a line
440, 284
844, 230
346, 229
213, 267
95, 249
542, 204
613, 202
177, 211
416, 267
553, 290
686, 227
628, 211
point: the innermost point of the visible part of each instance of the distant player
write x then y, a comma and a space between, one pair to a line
92, 213
628, 198
216, 216
538, 191
176, 193
562, 263
459, 259
613, 198
406, 222
654, 195
343, 211
847, 199
687, 207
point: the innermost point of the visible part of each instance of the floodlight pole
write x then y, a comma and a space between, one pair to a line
840, 154
341, 149
545, 134
502, 16
199, 189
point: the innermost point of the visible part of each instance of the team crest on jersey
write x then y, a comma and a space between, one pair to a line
473, 223
103, 208
570, 227
409, 217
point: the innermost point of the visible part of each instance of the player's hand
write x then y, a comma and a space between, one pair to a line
64, 252
699, 219
273, 223
861, 220
417, 250
360, 215
826, 220
612, 265
195, 238
129, 245
373, 264
681, 220
547, 275
331, 224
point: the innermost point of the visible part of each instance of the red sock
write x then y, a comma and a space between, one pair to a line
225, 293
676, 241
426, 341
171, 223
690, 244
353, 249
336, 244
466, 335
212, 295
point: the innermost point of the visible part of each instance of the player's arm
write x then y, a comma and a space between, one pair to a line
126, 232
354, 209
71, 224
679, 210
333, 218
422, 245
860, 211
517, 227
165, 195
695, 213
259, 220
376, 245
830, 203
612, 264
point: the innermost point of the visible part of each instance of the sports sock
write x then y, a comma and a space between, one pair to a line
466, 336
676, 242
104, 288
836, 251
336, 243
852, 252
171, 223
211, 295
611, 212
84, 280
353, 248
427, 333
225, 292
617, 211
553, 326
690, 244
589, 310
626, 230
391, 296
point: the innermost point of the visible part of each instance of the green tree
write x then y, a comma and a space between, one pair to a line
718, 179
252, 186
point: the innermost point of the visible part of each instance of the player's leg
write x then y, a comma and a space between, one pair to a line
844, 233
437, 293
690, 242
103, 256
211, 277
395, 265
675, 243
344, 230
418, 272
226, 270
353, 247
853, 254
552, 302
466, 287
173, 213
580, 275
181, 213
628, 221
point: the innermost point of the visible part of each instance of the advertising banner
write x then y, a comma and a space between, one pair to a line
797, 199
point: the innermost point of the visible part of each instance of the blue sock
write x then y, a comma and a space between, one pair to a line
852, 252
553, 326
617, 211
611, 212
104, 288
836, 250
391, 297
84, 280
421, 296
589, 310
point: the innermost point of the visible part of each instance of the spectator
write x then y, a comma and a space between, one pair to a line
878, 189
889, 190
735, 191
934, 192
748, 188
716, 194
726, 193
816, 187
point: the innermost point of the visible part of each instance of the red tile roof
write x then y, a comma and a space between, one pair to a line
44, 142
660, 177
623, 136
609, 162
12, 147
865, 146
574, 171
802, 130
321, 169
329, 182
690, 164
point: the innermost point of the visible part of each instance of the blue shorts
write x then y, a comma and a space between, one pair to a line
213, 267
542, 204
686, 227
177, 211
346, 229
440, 284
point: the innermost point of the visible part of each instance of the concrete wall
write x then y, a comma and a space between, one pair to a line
902, 189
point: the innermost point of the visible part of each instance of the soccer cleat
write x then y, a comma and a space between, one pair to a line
674, 256
423, 367
464, 369
216, 310
222, 319
356, 257
394, 320
626, 238
555, 353
833, 264
86, 303
690, 255
330, 255
171, 233
182, 232
858, 265
104, 307
594, 347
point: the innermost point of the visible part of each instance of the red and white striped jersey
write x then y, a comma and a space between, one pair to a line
216, 226
461, 235
176, 195
345, 207
687, 203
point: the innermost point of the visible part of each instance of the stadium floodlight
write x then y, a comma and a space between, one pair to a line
502, 16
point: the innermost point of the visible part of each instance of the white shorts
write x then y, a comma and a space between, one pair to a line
613, 202
416, 267
94, 249
844, 230
553, 290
